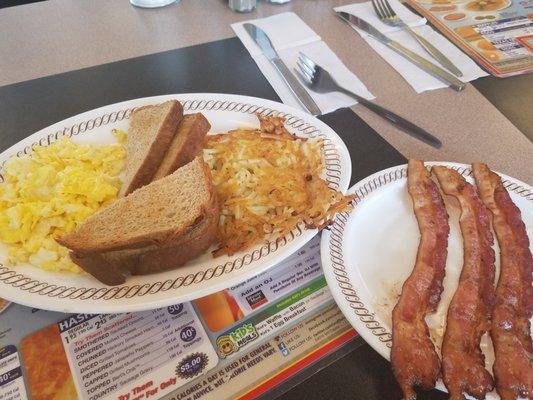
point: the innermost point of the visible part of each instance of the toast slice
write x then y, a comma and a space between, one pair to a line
112, 267
151, 131
186, 145
156, 214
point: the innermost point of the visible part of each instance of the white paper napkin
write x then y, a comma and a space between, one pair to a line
290, 35
416, 77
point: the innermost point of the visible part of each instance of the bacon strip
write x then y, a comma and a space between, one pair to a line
469, 313
414, 359
510, 330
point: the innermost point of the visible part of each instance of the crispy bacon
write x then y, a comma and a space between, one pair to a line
414, 359
469, 313
510, 329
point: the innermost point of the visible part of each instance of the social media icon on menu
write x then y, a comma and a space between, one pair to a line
283, 348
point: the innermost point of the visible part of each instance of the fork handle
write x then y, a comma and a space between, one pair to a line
396, 120
437, 55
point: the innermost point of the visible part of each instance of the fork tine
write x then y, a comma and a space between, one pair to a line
307, 61
383, 2
382, 9
378, 13
305, 68
389, 8
305, 78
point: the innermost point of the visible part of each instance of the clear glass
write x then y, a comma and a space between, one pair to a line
152, 3
242, 5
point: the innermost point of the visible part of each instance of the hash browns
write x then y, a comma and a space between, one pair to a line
268, 181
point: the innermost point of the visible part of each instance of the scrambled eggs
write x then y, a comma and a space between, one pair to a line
52, 191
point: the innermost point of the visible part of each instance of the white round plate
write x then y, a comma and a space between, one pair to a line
67, 292
371, 250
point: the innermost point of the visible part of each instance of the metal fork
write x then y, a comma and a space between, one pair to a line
319, 80
388, 16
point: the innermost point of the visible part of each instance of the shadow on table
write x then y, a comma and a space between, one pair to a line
513, 97
361, 375
11, 3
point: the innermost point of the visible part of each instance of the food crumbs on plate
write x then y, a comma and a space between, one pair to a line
49, 193
268, 181
120, 135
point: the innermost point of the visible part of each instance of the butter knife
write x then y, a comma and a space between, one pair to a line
263, 41
432, 69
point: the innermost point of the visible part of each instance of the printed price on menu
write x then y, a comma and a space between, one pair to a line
300, 268
11, 380
503, 33
136, 355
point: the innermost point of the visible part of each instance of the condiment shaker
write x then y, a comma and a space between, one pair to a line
242, 6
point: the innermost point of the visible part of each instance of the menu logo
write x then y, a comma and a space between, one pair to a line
225, 346
74, 320
232, 341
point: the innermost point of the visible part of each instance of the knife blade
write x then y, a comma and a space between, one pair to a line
263, 41
421, 62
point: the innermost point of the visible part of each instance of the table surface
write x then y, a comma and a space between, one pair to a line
114, 82
471, 125
63, 35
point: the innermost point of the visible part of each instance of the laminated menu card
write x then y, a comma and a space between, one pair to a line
498, 34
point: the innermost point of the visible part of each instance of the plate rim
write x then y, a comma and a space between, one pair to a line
11, 282
358, 314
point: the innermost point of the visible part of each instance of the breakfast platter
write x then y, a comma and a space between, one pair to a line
66, 291
370, 251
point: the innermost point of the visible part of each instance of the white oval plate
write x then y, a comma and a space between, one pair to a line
67, 292
370, 251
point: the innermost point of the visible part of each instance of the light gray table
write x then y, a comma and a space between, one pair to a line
63, 35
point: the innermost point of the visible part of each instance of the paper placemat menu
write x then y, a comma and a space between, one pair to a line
216, 347
136, 355
246, 314
302, 267
251, 372
11, 379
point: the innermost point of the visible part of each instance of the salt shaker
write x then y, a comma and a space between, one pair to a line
242, 6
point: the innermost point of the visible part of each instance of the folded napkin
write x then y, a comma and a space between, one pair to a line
289, 36
417, 78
